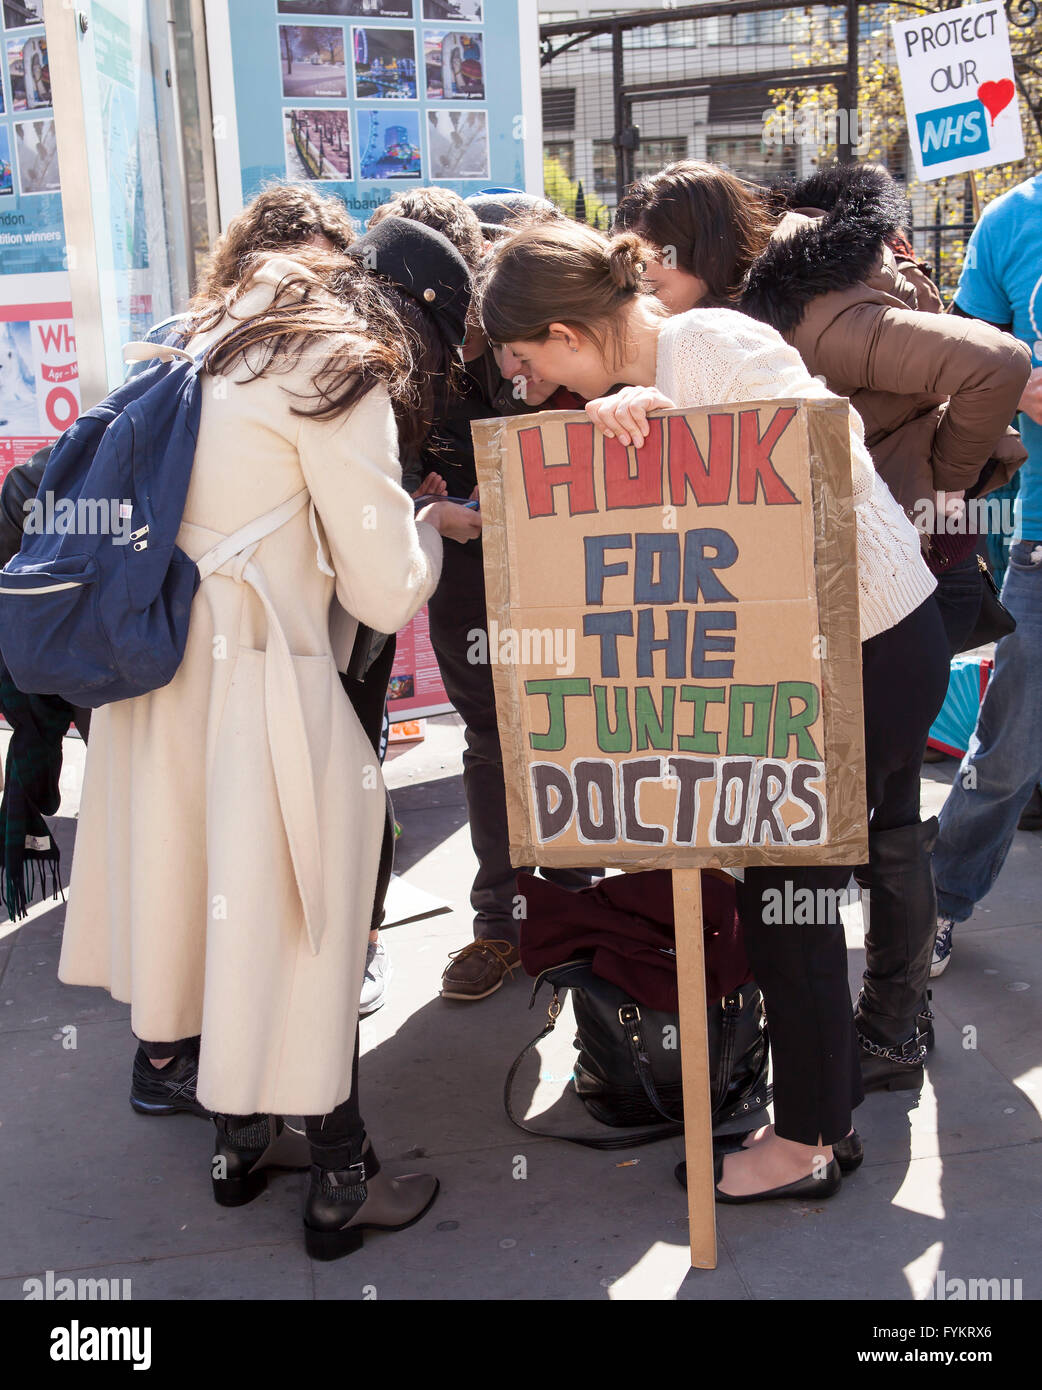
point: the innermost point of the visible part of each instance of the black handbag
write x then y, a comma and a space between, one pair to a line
994, 619
627, 1073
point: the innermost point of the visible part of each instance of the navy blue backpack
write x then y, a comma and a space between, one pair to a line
95, 606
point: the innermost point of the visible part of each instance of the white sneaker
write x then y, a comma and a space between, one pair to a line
374, 982
942, 947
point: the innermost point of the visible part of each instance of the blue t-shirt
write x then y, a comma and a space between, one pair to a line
1001, 281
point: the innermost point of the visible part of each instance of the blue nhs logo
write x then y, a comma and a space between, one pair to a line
952, 132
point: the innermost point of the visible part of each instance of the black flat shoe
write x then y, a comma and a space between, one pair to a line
826, 1186
849, 1153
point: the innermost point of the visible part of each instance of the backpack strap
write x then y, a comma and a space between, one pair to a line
163, 352
253, 532
286, 725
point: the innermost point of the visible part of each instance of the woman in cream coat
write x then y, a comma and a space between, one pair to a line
231, 821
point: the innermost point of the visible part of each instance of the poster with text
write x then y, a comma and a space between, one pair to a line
367, 95
39, 382
674, 637
39, 378
959, 91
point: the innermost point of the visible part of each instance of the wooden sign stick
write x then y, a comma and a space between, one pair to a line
694, 1061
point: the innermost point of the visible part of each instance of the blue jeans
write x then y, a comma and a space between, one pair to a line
1003, 763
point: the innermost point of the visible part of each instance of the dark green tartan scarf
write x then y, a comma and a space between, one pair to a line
29, 858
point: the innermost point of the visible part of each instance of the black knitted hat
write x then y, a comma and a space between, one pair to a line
426, 265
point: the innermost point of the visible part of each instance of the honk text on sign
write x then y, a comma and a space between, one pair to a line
959, 93
711, 711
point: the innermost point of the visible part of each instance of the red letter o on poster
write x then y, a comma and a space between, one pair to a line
63, 397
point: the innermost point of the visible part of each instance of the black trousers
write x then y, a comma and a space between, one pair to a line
457, 619
802, 966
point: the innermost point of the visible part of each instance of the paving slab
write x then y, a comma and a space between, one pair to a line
952, 1180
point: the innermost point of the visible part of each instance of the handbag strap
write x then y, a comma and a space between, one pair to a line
730, 1011
629, 1017
628, 1139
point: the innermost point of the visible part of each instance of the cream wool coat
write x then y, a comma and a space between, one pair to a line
215, 808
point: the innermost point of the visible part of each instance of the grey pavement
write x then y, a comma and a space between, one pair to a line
951, 1180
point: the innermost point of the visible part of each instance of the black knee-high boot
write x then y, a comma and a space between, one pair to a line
902, 918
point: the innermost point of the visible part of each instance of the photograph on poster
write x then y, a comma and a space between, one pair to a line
6, 176
389, 145
318, 144
35, 73
18, 14
385, 63
470, 11
357, 9
455, 65
458, 143
37, 149
312, 60
17, 380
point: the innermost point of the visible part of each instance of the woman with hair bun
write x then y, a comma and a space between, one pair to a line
604, 331
936, 394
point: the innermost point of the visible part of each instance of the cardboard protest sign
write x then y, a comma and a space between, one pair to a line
674, 637
959, 91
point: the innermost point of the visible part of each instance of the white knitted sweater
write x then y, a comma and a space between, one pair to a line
717, 357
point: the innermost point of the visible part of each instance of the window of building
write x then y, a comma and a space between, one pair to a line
750, 158
564, 152
558, 108
654, 155
604, 169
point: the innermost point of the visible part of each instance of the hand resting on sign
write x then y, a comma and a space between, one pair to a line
625, 414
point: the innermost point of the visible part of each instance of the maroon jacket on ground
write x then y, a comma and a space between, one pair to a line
626, 922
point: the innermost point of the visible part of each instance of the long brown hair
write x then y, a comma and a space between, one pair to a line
281, 217
561, 272
357, 330
715, 224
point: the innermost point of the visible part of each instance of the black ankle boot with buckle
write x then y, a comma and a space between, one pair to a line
344, 1202
897, 1067
248, 1147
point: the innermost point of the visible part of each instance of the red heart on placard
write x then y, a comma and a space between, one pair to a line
996, 96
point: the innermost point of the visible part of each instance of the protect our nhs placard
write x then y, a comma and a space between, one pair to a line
959, 92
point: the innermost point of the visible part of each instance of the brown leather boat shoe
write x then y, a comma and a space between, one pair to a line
479, 969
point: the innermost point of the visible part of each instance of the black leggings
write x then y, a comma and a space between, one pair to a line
802, 966
336, 1139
